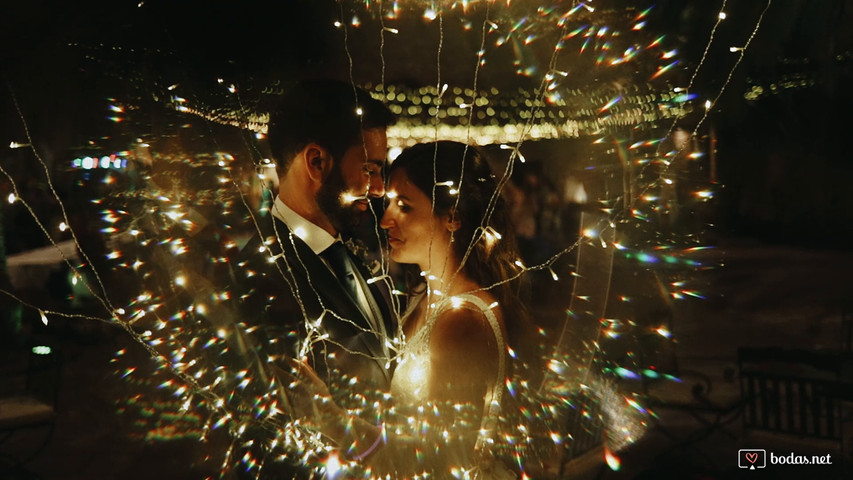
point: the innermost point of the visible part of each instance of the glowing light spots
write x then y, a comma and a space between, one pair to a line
556, 366
663, 70
595, 40
11, 198
625, 373
300, 232
684, 97
222, 421
662, 331
646, 258
636, 406
643, 14
348, 198
333, 466
42, 350
694, 294
612, 460
639, 215
610, 104
575, 32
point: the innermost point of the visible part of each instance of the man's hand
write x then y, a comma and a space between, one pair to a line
306, 394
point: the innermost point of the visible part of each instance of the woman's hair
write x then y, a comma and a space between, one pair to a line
485, 227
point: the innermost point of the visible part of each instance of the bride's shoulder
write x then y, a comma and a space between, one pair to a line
468, 321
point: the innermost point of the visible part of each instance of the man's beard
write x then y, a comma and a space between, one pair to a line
330, 200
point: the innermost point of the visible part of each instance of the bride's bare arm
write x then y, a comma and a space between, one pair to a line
464, 356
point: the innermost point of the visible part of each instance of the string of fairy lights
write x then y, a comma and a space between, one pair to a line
183, 322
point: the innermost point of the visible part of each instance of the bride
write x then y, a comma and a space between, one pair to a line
451, 230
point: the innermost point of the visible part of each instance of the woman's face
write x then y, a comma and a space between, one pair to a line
415, 235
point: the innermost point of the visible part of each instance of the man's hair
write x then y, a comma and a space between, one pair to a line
330, 113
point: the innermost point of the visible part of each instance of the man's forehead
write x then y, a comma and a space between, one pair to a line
375, 144
375, 136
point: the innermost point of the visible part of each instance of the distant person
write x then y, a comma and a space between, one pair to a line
533, 204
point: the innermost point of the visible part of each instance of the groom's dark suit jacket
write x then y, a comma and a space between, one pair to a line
277, 297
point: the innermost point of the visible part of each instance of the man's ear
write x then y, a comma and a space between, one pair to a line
318, 162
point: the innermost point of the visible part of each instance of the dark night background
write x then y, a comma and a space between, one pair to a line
783, 163
782, 216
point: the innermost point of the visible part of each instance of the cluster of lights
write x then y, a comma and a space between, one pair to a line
500, 117
184, 335
107, 161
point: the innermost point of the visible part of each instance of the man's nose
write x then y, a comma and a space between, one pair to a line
376, 186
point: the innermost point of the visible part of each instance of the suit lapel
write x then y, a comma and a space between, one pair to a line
314, 279
381, 298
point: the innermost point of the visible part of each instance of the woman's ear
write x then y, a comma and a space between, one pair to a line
318, 162
452, 223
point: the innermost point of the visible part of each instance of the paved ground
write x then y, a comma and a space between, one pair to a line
763, 296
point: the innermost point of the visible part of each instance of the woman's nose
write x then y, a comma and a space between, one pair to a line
386, 221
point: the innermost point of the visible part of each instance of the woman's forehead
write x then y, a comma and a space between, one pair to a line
401, 184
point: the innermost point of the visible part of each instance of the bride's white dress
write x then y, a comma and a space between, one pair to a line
461, 445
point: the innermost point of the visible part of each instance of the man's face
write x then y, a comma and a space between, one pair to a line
353, 180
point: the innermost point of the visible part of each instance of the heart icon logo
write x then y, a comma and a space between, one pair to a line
751, 457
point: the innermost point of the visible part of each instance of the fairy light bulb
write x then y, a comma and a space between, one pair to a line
348, 198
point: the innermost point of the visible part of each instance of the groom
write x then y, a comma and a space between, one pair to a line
308, 294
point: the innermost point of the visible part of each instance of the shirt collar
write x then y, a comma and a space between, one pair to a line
315, 237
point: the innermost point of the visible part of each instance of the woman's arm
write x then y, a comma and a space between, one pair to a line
463, 357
